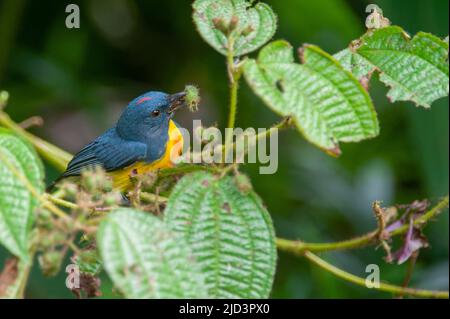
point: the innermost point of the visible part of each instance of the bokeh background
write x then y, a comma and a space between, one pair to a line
78, 80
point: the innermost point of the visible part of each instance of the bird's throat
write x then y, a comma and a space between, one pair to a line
174, 149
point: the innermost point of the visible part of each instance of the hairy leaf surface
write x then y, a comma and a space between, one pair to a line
145, 259
326, 102
415, 69
17, 203
230, 233
255, 24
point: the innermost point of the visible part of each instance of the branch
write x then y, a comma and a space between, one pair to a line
233, 75
149, 197
284, 123
179, 169
383, 286
53, 154
298, 247
233, 102
409, 271
60, 201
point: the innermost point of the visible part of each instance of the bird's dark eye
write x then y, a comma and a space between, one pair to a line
155, 113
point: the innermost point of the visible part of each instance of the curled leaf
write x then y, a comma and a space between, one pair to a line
412, 242
376, 20
414, 238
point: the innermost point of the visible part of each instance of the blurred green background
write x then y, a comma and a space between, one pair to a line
78, 80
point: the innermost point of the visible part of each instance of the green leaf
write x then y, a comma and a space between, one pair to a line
326, 102
88, 262
246, 26
354, 63
230, 233
415, 69
145, 259
17, 203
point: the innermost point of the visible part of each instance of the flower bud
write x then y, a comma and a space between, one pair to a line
192, 97
220, 25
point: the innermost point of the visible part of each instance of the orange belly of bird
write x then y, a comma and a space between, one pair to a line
122, 179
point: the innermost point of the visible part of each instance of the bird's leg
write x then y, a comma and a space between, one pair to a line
158, 209
125, 201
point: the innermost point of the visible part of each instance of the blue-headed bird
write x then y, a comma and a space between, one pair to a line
145, 138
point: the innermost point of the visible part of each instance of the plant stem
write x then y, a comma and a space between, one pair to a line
409, 272
433, 212
299, 247
184, 169
61, 202
383, 286
74, 247
17, 272
286, 122
233, 78
24, 275
53, 154
153, 198
233, 104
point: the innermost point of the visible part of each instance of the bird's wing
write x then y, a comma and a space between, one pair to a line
109, 153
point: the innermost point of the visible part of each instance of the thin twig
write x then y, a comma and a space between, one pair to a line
298, 247
380, 216
48, 151
382, 287
234, 76
149, 197
31, 121
74, 247
284, 123
409, 271
61, 202
182, 169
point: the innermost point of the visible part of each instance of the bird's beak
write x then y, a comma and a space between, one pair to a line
176, 101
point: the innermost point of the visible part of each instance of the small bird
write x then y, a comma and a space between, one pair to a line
145, 138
